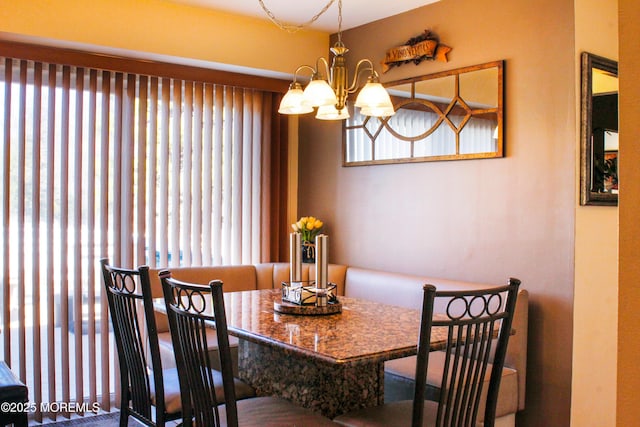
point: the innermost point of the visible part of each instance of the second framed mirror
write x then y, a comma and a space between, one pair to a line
599, 131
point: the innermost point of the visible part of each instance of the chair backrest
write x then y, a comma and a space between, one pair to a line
134, 327
471, 323
191, 309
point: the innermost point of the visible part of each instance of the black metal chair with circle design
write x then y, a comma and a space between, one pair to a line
148, 392
470, 320
191, 309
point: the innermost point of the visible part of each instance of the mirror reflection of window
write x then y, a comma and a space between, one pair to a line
610, 141
446, 116
442, 142
478, 136
603, 81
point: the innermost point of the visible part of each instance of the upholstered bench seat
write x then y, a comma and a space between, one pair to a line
168, 356
400, 373
12, 390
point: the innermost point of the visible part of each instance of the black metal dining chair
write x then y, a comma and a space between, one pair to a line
191, 309
470, 321
148, 393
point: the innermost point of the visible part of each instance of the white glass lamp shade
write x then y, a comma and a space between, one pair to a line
293, 101
329, 112
384, 111
319, 93
374, 95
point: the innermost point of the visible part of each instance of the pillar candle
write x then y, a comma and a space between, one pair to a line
295, 257
322, 274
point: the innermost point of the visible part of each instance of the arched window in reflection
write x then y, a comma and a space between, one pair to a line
446, 116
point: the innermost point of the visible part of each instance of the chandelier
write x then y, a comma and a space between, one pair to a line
328, 88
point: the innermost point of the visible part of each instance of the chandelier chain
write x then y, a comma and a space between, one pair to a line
293, 28
340, 22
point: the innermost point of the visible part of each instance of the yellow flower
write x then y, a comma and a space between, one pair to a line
309, 227
311, 221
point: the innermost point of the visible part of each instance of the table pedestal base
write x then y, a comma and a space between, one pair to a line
329, 389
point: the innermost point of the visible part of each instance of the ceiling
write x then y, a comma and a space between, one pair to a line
354, 12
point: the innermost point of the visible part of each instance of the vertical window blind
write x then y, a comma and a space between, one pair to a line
138, 168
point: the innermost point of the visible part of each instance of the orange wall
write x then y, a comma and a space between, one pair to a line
593, 397
481, 220
628, 397
161, 28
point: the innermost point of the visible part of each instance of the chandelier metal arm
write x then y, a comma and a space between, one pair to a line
315, 71
302, 67
324, 62
356, 76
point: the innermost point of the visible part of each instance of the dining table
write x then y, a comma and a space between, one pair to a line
330, 363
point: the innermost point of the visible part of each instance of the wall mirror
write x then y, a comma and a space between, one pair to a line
451, 115
599, 131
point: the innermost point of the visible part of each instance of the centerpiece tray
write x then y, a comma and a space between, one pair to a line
300, 298
286, 307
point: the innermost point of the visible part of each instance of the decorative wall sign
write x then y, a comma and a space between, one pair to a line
416, 49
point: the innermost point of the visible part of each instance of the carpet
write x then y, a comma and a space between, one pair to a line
111, 419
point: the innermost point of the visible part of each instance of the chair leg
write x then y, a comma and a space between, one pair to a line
124, 406
124, 417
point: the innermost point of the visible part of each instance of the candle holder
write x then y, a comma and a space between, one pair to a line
300, 298
306, 293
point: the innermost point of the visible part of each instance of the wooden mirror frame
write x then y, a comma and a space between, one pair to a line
444, 109
587, 173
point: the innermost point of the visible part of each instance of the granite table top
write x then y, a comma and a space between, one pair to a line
364, 331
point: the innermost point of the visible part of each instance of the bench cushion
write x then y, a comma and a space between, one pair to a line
400, 373
167, 355
172, 397
234, 278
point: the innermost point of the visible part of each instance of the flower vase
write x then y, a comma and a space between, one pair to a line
308, 252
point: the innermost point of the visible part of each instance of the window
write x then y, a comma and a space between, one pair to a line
141, 168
